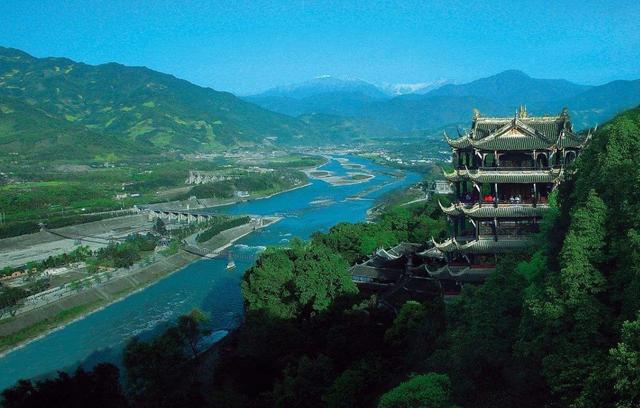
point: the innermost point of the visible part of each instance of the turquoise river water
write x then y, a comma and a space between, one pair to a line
205, 284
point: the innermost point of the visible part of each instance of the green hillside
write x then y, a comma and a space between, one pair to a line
339, 129
27, 132
142, 106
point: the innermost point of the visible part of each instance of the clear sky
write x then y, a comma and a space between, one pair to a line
245, 47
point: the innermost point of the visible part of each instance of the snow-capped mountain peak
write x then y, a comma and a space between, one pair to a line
413, 88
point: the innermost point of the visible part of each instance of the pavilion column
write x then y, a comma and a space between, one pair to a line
535, 160
495, 197
535, 195
496, 157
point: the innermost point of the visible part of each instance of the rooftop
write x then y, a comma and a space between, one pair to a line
520, 132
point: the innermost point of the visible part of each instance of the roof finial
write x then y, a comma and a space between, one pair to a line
522, 112
476, 113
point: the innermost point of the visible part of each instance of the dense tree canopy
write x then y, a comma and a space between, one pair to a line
422, 391
302, 279
556, 327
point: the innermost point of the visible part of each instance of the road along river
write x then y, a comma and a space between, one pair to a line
205, 284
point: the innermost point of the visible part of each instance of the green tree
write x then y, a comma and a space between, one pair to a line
625, 362
10, 297
161, 372
192, 328
160, 227
320, 278
357, 385
302, 279
304, 383
415, 330
422, 391
97, 388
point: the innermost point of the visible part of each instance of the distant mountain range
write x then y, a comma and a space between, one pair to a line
327, 84
56, 108
445, 104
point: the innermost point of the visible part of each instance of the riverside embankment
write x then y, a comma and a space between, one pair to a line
69, 302
205, 284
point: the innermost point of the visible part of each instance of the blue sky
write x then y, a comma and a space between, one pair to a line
245, 47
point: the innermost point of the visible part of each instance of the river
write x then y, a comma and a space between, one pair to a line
205, 284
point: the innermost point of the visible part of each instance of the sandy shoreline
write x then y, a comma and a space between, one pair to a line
346, 180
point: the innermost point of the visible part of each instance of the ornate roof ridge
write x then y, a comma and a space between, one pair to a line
460, 142
508, 210
512, 123
446, 245
451, 210
532, 118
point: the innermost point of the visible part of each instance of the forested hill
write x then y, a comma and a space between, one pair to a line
135, 104
557, 327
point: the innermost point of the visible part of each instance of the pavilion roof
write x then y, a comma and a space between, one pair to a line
506, 176
504, 211
376, 273
463, 273
501, 211
515, 176
522, 132
484, 246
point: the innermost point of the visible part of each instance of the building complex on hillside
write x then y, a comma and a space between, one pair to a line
504, 171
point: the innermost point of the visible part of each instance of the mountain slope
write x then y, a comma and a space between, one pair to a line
30, 133
323, 85
513, 88
340, 103
452, 104
602, 102
417, 112
144, 106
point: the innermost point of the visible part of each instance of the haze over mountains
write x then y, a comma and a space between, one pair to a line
55, 106
451, 104
330, 84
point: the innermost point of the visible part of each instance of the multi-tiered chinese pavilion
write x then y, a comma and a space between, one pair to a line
504, 171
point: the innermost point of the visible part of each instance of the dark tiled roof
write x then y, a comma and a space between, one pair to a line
522, 132
501, 211
506, 176
505, 211
380, 274
485, 246
516, 176
460, 273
